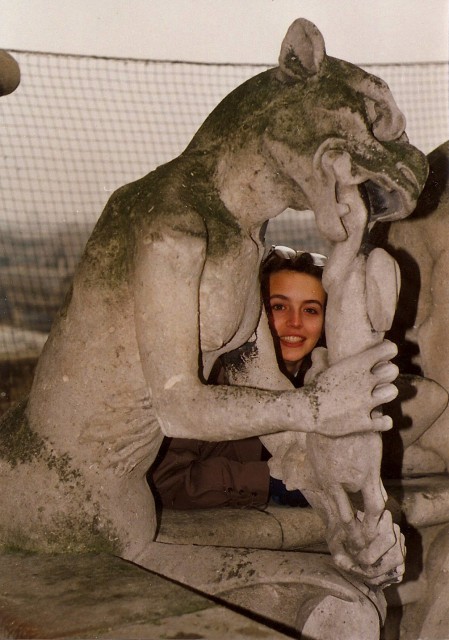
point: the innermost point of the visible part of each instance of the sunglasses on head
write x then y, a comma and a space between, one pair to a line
290, 254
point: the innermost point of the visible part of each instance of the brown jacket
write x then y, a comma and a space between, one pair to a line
193, 474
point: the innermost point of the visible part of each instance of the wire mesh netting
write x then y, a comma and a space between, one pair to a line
79, 127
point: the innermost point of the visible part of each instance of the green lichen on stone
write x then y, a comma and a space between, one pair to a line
18, 442
301, 114
63, 467
223, 231
242, 114
15, 541
105, 257
81, 533
290, 112
164, 198
312, 391
77, 532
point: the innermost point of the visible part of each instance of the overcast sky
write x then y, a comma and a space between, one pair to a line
226, 30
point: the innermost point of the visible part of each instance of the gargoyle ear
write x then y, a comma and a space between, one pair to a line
302, 50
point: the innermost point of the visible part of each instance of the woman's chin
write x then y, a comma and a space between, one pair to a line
292, 364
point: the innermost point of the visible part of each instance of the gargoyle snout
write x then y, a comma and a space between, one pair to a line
408, 175
394, 198
382, 204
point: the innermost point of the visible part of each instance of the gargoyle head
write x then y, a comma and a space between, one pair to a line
342, 125
324, 126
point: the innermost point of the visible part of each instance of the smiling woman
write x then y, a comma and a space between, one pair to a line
295, 302
297, 314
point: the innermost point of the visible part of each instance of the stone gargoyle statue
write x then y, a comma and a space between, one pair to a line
420, 246
363, 289
168, 282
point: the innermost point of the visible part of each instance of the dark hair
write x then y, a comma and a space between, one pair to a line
300, 262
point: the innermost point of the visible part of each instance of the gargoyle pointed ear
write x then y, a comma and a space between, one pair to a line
302, 50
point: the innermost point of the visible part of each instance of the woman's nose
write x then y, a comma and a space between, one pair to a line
294, 318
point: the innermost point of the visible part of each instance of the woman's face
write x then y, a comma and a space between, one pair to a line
296, 314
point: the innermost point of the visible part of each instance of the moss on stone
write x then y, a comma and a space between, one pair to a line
162, 198
223, 231
77, 532
312, 391
83, 533
301, 114
62, 464
18, 442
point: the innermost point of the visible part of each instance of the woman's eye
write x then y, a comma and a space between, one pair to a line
277, 307
311, 311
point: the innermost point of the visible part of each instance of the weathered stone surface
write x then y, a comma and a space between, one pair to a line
420, 502
271, 528
420, 246
425, 614
99, 596
284, 587
362, 291
424, 501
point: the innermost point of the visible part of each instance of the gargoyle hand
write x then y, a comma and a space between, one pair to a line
344, 396
320, 362
380, 562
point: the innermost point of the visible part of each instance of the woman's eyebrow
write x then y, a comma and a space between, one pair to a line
283, 297
313, 301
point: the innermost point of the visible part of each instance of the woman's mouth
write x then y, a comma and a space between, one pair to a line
293, 340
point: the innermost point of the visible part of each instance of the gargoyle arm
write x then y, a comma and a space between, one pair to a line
167, 276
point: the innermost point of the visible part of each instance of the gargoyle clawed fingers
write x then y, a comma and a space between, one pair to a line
385, 373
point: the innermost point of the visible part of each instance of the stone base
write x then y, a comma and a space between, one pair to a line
302, 593
420, 502
100, 596
275, 527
